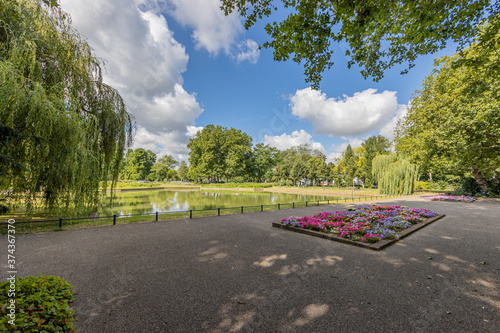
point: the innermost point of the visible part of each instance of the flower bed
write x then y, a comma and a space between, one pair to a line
461, 198
366, 224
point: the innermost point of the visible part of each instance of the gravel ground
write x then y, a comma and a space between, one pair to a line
238, 274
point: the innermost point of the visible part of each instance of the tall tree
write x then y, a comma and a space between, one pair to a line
264, 161
374, 145
379, 33
316, 167
159, 170
360, 157
66, 129
395, 174
183, 170
453, 125
138, 164
350, 163
217, 153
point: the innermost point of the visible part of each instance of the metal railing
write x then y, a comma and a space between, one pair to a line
218, 209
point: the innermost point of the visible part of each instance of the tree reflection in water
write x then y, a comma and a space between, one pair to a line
137, 202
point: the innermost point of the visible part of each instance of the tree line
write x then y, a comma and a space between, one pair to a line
220, 154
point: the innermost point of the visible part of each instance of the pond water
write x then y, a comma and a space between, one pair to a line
125, 203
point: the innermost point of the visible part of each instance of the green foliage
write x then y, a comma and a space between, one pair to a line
379, 33
65, 130
468, 186
139, 163
4, 209
395, 174
350, 163
217, 153
441, 184
162, 169
374, 145
453, 124
42, 305
264, 160
183, 170
423, 185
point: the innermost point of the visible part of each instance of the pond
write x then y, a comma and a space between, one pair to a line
137, 202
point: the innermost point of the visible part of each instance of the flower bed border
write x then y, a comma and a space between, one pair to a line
372, 246
437, 198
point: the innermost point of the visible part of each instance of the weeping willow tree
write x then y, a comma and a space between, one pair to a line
65, 130
394, 174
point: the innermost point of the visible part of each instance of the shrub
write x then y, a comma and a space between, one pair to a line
441, 184
4, 209
42, 305
469, 187
423, 185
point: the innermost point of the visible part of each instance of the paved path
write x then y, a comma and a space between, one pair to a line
238, 274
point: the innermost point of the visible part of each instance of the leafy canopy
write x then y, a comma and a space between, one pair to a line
65, 130
219, 153
379, 33
453, 124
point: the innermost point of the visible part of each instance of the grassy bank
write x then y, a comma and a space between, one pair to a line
39, 227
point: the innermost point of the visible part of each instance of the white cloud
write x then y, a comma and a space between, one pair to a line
249, 51
193, 130
388, 129
170, 112
145, 63
297, 138
212, 30
354, 142
162, 143
359, 114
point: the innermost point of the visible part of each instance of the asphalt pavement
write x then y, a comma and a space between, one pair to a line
237, 273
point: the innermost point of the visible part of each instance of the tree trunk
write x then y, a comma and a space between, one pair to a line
430, 177
478, 176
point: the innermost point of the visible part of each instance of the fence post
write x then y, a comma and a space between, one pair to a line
293, 204
60, 222
318, 202
218, 211
156, 216
278, 206
190, 213
306, 203
261, 208
241, 209
328, 201
114, 219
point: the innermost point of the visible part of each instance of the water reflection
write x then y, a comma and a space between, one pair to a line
126, 203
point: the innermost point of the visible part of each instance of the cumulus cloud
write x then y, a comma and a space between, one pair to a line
359, 114
212, 30
297, 138
388, 129
145, 63
354, 142
163, 143
338, 149
170, 112
193, 130
249, 51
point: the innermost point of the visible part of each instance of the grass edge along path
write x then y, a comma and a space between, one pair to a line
39, 226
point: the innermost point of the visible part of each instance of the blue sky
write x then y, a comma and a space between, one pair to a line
182, 64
